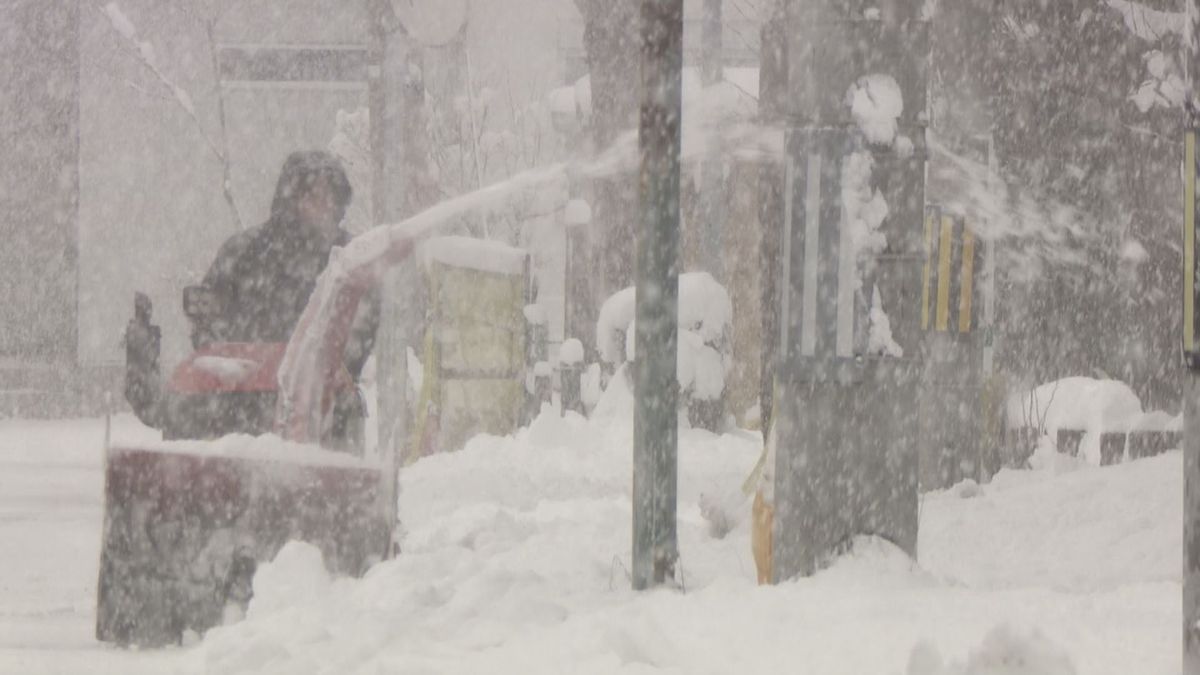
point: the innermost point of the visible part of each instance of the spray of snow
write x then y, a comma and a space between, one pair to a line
365, 258
999, 210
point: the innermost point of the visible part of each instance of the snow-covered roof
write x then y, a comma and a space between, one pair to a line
476, 254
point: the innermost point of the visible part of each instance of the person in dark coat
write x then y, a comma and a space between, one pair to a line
261, 279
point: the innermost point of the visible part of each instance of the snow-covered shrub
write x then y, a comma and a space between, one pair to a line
705, 352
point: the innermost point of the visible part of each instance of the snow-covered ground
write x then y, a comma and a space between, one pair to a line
515, 557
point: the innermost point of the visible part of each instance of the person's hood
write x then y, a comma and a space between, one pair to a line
299, 171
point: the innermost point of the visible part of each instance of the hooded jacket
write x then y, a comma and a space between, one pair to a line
262, 278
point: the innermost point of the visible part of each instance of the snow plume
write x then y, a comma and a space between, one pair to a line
999, 210
876, 103
366, 256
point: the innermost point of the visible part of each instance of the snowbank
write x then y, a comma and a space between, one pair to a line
514, 562
1003, 652
517, 547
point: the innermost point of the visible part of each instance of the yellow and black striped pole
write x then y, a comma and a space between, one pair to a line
1191, 417
1189, 248
948, 280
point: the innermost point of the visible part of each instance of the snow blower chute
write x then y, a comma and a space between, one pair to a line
187, 521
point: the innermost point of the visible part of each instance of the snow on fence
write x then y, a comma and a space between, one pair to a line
1099, 421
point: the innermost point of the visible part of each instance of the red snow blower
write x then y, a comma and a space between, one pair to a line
187, 521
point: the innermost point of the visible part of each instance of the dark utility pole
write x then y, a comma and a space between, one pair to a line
1191, 394
655, 431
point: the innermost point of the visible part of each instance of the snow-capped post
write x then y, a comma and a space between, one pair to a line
655, 431
1191, 406
844, 425
577, 308
570, 368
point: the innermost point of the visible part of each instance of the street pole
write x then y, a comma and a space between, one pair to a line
712, 195
1191, 395
655, 430
393, 100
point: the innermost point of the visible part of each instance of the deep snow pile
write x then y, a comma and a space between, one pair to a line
516, 548
514, 557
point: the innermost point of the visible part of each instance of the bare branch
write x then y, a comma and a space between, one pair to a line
143, 54
140, 54
226, 169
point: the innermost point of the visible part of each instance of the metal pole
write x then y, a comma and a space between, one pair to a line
710, 44
712, 169
655, 432
1191, 405
989, 268
393, 104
